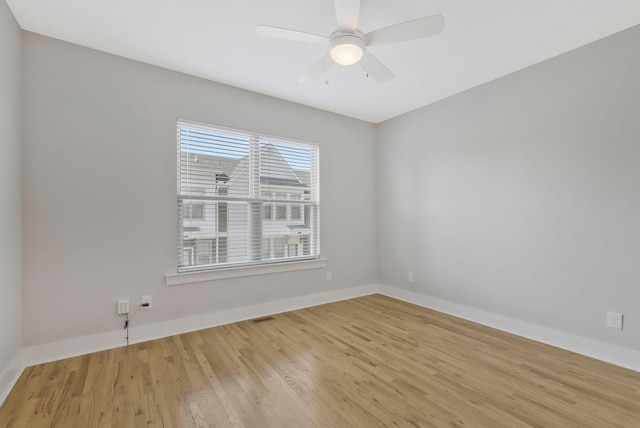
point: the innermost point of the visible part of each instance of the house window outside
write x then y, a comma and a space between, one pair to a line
268, 212
244, 199
278, 248
292, 250
204, 251
295, 212
223, 218
306, 247
222, 249
188, 253
193, 210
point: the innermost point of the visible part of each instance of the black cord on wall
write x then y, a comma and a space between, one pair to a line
127, 320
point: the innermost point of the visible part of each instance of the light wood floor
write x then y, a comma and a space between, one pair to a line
366, 362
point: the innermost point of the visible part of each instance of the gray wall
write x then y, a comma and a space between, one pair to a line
10, 194
99, 190
522, 196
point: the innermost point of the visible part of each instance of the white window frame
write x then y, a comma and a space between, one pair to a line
229, 270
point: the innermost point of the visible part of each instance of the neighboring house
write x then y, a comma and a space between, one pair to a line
220, 223
203, 223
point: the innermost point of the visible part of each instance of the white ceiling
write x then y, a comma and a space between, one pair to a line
216, 40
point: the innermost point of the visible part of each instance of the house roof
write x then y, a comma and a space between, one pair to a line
276, 171
225, 169
290, 182
212, 164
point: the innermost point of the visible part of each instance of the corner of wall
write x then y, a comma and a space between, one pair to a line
10, 200
10, 376
617, 355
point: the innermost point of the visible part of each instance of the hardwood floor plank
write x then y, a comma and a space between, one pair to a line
366, 362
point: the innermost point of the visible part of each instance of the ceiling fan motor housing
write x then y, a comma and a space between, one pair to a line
347, 47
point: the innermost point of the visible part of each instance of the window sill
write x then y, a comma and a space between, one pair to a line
237, 272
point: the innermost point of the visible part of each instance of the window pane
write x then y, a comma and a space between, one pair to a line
197, 211
295, 212
278, 248
208, 158
222, 216
222, 249
281, 212
292, 250
306, 248
188, 256
205, 251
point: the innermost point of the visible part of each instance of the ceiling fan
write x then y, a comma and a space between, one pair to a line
347, 45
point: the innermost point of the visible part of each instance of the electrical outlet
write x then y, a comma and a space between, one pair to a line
148, 300
410, 277
123, 307
614, 320
329, 276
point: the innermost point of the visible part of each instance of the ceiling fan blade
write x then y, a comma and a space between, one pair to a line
317, 70
283, 33
375, 69
410, 30
347, 13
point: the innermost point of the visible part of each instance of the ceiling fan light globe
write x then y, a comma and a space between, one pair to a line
346, 54
347, 49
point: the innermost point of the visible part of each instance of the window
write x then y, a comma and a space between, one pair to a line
292, 250
204, 251
278, 248
295, 212
193, 210
266, 209
188, 256
222, 211
244, 199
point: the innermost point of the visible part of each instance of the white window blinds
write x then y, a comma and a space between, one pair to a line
244, 198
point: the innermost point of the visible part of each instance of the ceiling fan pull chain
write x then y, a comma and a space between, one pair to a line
367, 68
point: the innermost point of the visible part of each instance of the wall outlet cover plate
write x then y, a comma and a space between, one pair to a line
614, 320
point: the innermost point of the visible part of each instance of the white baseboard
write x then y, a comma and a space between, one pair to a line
83, 345
10, 376
613, 354
142, 333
